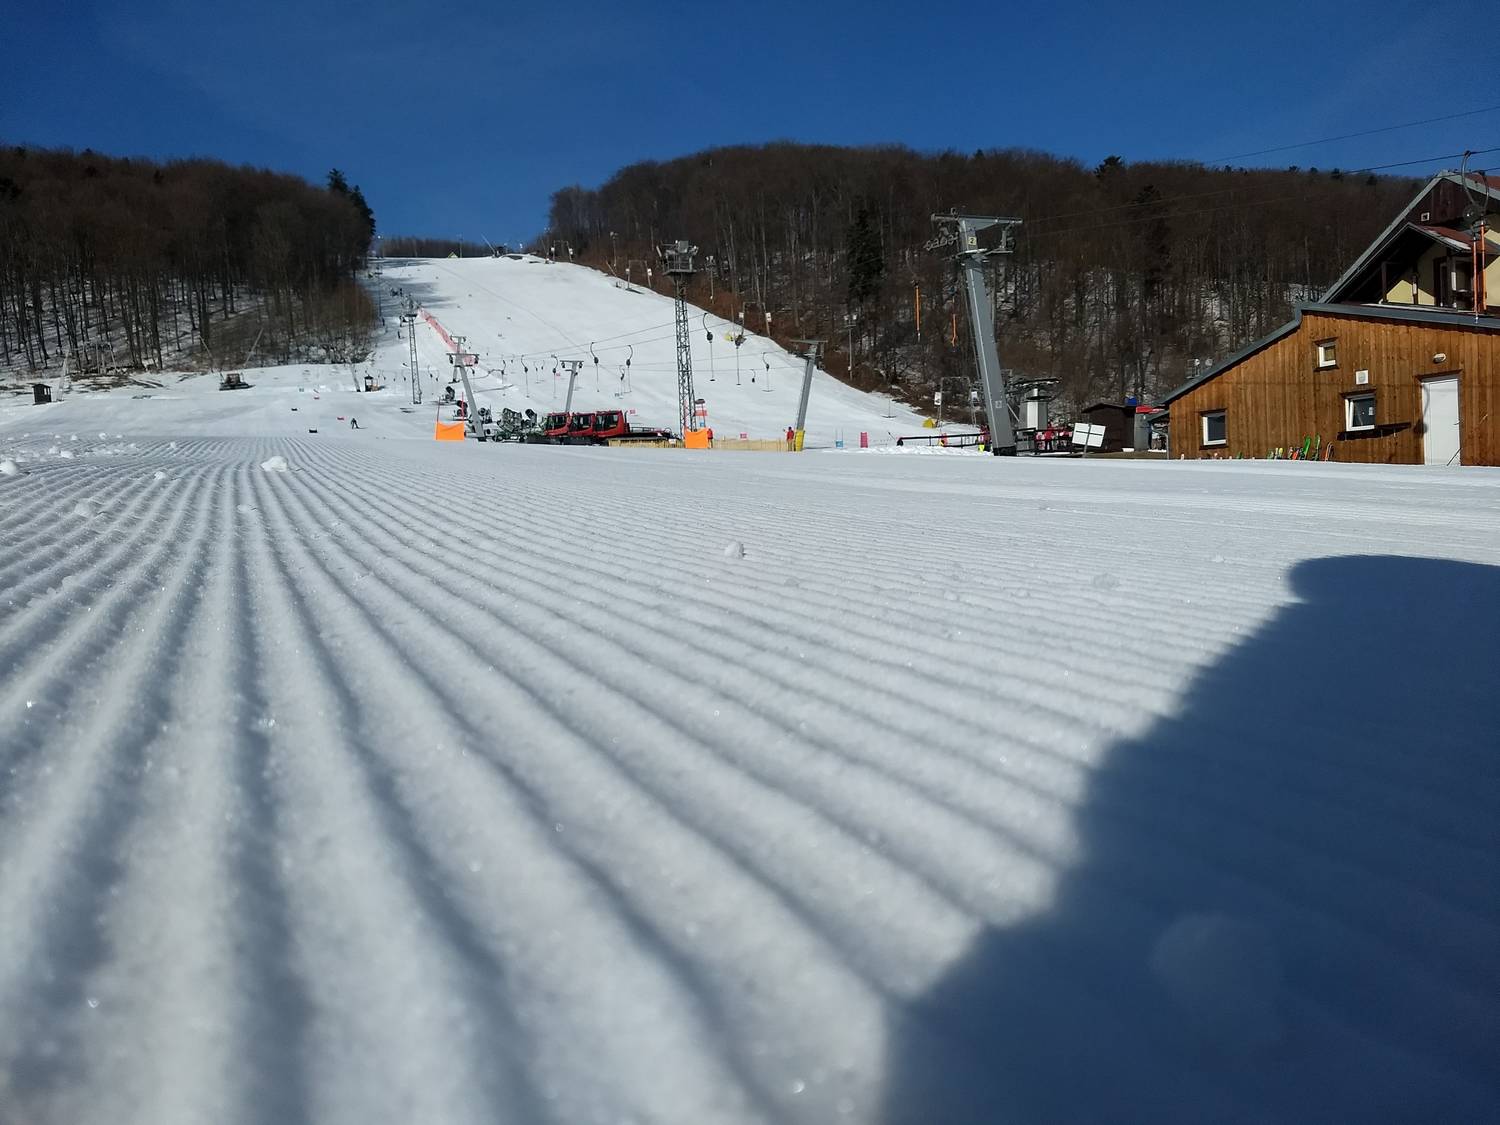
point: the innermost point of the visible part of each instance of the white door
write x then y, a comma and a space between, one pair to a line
1440, 421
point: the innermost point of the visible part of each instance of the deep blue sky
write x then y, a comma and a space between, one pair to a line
459, 117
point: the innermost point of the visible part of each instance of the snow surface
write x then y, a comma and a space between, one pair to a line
474, 783
547, 313
492, 301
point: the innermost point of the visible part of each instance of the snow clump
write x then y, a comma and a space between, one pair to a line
84, 509
735, 550
274, 465
9, 468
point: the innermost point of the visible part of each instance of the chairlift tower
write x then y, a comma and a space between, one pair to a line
461, 360
962, 231
677, 259
573, 366
811, 360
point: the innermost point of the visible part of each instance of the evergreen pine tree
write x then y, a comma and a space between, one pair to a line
866, 260
357, 197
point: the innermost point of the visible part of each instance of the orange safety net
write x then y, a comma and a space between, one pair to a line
448, 431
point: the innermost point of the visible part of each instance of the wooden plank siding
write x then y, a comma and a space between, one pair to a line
1278, 396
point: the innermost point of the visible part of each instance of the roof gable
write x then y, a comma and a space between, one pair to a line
1440, 202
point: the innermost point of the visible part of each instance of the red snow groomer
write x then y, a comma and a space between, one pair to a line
593, 428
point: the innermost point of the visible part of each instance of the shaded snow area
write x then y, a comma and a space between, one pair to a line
476, 784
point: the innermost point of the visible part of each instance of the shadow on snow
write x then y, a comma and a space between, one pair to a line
1287, 905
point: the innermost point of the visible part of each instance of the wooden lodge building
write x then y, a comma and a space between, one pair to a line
1399, 363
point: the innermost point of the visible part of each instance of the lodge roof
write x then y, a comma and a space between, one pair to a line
1403, 220
1459, 240
1419, 314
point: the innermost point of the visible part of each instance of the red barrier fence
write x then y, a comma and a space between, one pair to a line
440, 330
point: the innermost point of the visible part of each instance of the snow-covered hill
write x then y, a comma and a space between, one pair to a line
346, 778
524, 316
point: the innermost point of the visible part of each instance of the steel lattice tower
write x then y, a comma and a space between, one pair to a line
409, 320
679, 264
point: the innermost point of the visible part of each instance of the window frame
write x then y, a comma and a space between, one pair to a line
1331, 360
1203, 439
1349, 401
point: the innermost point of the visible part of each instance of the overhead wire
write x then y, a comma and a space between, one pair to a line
598, 340
583, 348
1351, 136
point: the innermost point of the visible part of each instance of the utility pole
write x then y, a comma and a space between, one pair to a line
678, 260
849, 319
963, 230
709, 333
811, 358
739, 338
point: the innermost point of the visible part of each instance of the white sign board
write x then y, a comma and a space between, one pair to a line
937, 398
1090, 437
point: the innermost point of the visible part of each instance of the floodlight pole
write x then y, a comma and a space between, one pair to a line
965, 233
678, 261
409, 320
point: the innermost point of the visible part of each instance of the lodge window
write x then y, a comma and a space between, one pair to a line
1463, 284
1328, 355
1452, 283
1359, 412
1215, 429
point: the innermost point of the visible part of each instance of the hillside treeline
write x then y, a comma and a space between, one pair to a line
132, 263
419, 246
1122, 274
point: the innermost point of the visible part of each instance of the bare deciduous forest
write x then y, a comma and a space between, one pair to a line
131, 264
417, 246
1122, 275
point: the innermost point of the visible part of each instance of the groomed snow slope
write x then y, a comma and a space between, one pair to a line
492, 302
413, 782
519, 314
